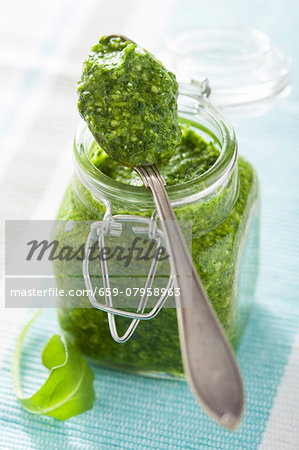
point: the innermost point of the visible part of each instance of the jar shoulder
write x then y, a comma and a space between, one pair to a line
78, 204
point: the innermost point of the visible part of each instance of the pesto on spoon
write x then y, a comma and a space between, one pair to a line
129, 101
209, 363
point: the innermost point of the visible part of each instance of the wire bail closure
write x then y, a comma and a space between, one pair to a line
112, 225
203, 85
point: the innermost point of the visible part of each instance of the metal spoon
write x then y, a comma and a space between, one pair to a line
209, 362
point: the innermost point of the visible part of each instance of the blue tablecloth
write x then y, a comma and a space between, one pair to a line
131, 411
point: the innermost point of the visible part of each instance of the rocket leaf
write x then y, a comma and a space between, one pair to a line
68, 390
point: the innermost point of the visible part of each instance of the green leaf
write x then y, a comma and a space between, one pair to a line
68, 390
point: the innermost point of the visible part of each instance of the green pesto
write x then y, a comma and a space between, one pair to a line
216, 245
179, 167
129, 101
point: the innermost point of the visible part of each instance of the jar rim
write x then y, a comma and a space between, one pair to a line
198, 188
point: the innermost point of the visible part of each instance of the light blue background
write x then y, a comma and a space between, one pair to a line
136, 412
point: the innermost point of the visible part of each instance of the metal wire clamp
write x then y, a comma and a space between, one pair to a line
113, 226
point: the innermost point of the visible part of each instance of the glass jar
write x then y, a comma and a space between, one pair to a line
223, 205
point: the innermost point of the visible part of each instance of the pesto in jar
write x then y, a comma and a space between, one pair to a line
217, 246
179, 168
129, 101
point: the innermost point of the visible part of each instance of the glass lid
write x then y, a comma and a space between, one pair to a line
244, 69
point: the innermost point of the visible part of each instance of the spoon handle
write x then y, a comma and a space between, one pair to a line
209, 363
